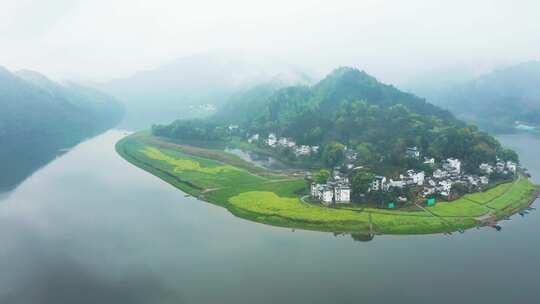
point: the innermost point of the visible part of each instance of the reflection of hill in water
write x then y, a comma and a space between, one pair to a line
264, 161
21, 158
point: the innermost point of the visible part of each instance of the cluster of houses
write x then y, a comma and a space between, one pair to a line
336, 190
274, 142
440, 183
443, 178
500, 167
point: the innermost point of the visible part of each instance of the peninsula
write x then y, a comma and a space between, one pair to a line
363, 158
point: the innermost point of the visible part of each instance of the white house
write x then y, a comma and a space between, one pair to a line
484, 180
233, 128
511, 166
417, 177
302, 151
439, 174
326, 195
342, 194
471, 180
402, 199
396, 183
452, 165
500, 166
429, 161
332, 192
444, 187
379, 183
427, 191
253, 138
486, 168
272, 140
315, 190
413, 152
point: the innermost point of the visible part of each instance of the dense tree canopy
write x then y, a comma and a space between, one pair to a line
322, 176
350, 111
192, 129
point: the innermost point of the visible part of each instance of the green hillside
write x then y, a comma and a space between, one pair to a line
352, 109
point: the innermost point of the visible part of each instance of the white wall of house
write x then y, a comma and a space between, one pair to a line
342, 194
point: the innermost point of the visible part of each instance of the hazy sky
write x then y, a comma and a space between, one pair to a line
394, 40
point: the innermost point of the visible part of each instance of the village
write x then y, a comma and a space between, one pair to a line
446, 176
441, 183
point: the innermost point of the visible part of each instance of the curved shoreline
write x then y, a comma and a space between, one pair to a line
258, 195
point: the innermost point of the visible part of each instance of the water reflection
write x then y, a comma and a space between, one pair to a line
362, 237
92, 228
258, 159
20, 158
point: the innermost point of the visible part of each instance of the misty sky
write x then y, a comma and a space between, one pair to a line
394, 40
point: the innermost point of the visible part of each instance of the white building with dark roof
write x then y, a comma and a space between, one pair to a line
271, 140
379, 184
452, 165
342, 194
413, 152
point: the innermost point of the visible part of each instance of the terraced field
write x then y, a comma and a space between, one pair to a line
267, 197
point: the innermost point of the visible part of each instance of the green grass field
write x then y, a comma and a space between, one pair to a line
257, 194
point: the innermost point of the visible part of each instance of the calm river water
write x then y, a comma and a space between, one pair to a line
91, 228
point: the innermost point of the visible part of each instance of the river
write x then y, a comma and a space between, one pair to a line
89, 227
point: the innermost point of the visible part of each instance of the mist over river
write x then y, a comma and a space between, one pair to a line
89, 227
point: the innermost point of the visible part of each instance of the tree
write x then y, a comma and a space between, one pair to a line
509, 155
334, 153
360, 182
322, 176
364, 153
459, 189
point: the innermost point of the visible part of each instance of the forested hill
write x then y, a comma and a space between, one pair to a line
34, 106
351, 108
498, 99
325, 111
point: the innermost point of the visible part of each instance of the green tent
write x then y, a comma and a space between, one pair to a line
391, 205
431, 201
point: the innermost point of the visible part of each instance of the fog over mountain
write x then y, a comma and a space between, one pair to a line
498, 101
193, 86
395, 40
40, 118
34, 106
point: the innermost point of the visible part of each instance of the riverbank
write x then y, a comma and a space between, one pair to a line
257, 194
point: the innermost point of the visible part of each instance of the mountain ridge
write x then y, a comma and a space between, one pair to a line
33, 105
350, 108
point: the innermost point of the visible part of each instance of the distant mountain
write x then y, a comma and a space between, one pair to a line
185, 87
33, 105
496, 101
353, 109
39, 117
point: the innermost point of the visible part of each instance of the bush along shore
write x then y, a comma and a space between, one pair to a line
257, 194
